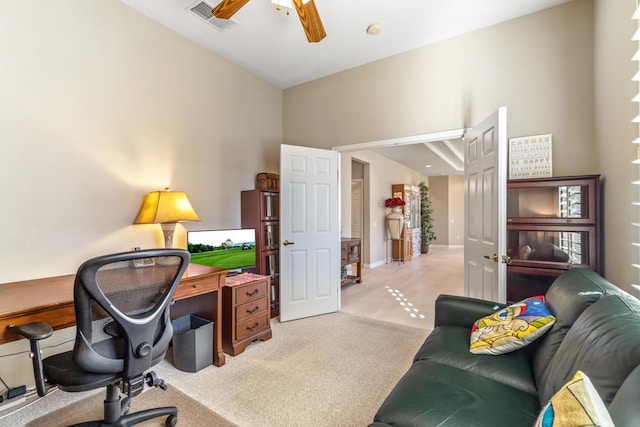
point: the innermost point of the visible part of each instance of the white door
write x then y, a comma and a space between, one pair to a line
309, 232
357, 215
485, 186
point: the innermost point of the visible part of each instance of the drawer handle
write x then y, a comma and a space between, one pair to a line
253, 310
251, 328
194, 285
252, 293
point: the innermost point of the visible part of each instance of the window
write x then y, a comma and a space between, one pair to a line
636, 120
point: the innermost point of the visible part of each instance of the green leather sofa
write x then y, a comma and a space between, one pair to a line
597, 331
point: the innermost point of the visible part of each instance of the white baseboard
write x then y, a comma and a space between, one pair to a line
375, 264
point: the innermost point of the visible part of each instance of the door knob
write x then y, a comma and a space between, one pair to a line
493, 257
506, 259
287, 243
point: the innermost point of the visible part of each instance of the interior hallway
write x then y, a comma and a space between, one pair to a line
405, 293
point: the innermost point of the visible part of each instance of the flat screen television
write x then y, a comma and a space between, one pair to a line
233, 250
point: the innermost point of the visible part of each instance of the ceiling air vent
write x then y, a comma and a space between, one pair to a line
203, 10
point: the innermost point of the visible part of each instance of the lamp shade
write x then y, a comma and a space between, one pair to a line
161, 207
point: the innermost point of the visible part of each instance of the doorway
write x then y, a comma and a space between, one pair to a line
358, 206
362, 161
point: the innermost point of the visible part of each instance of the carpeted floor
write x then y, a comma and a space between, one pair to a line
190, 412
334, 369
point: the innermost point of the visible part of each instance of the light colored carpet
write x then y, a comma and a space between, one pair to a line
190, 412
329, 370
334, 369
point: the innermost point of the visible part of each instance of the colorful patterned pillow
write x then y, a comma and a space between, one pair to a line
511, 328
576, 404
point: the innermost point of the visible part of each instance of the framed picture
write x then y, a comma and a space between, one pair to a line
530, 157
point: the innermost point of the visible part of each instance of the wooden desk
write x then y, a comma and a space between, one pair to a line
50, 300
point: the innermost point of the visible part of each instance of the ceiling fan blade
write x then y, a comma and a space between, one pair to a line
227, 8
310, 20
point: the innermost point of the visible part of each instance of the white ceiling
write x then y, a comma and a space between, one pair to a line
272, 45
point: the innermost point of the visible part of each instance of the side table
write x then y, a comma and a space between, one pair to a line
245, 311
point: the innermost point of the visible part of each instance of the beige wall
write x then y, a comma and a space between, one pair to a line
456, 210
101, 105
540, 66
439, 193
614, 132
447, 199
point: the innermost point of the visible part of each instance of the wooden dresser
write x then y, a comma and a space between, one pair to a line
245, 311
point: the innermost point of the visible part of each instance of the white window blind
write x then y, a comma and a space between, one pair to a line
636, 142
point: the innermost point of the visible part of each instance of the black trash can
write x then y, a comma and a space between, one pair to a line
192, 343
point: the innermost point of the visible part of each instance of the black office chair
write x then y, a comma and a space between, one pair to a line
123, 328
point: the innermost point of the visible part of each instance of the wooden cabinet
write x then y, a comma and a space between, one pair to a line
260, 210
553, 225
408, 247
350, 254
245, 312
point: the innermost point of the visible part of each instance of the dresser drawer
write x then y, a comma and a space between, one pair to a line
252, 325
251, 308
251, 291
193, 287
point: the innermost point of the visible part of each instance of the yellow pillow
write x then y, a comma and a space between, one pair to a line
511, 328
524, 252
576, 404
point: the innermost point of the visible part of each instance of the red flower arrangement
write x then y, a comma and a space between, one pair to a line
394, 202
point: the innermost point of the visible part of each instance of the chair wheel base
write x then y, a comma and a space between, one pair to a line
171, 421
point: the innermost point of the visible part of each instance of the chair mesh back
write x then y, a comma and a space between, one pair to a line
122, 303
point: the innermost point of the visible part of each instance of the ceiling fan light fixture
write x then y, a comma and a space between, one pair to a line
374, 29
287, 4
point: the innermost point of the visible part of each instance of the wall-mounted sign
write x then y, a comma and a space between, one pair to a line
530, 157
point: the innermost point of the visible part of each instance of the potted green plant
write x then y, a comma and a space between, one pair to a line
426, 219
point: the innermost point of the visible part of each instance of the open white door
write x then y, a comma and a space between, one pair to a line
485, 190
309, 232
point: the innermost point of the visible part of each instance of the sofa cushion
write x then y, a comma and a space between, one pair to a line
569, 295
511, 328
432, 394
624, 407
604, 343
453, 310
577, 403
449, 345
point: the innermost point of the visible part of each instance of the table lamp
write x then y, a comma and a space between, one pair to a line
166, 208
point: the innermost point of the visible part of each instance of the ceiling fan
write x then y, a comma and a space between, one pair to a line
307, 12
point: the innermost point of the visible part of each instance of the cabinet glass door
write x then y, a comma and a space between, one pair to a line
271, 205
271, 235
569, 201
272, 263
560, 248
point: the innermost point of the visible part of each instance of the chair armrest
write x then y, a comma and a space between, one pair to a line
454, 310
33, 331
